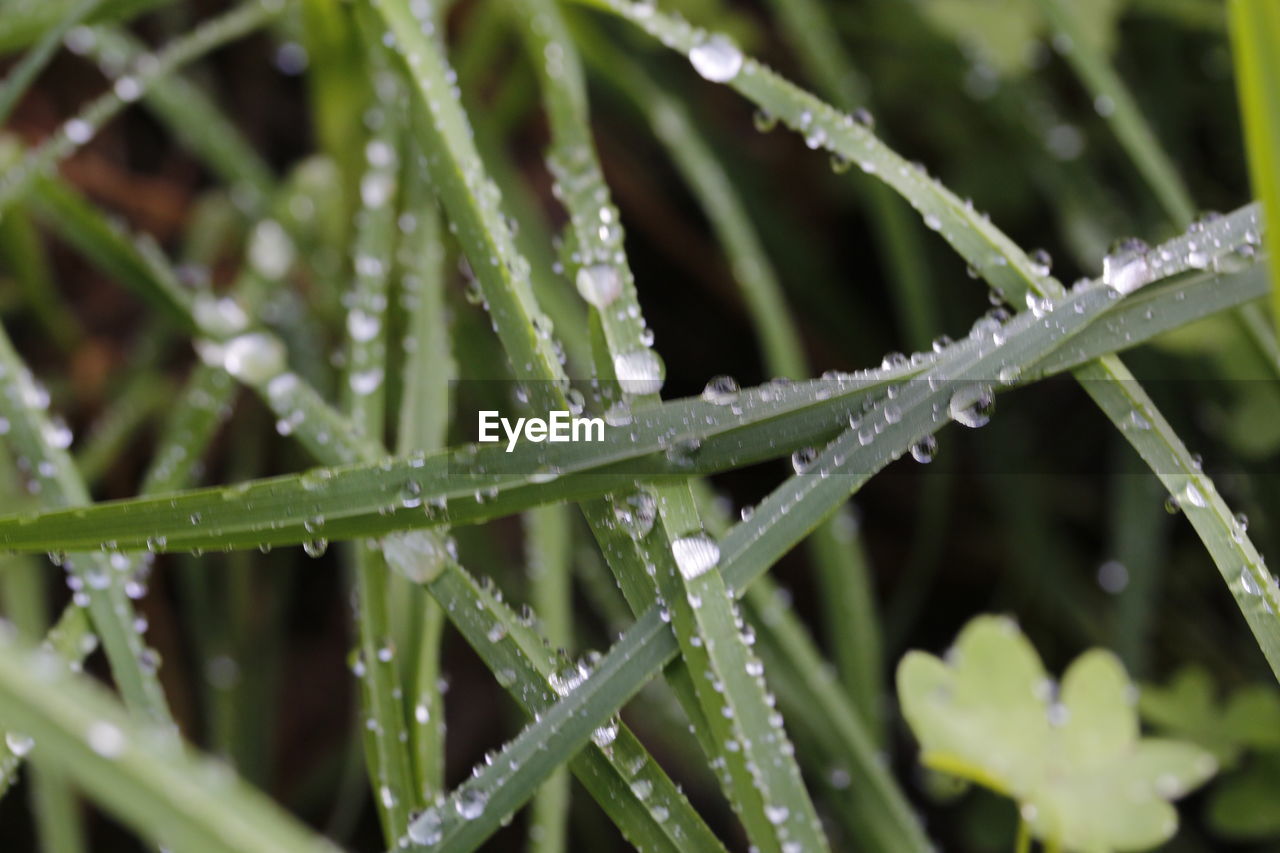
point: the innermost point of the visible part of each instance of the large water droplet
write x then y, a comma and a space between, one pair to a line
721, 390
924, 450
695, 554
639, 371
972, 405
1125, 268
19, 744
599, 284
717, 59
254, 357
471, 803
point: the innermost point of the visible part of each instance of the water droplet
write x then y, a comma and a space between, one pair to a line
470, 804
972, 405
1113, 577
721, 390
863, 117
78, 131
695, 554
362, 326
1125, 268
1041, 263
599, 284
315, 547
271, 251
127, 89
106, 739
254, 357
802, 459
19, 744
425, 829
365, 382
764, 121
376, 189
776, 814
639, 371
925, 449
717, 59
636, 513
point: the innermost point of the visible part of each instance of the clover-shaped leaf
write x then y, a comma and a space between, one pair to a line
1007, 34
1072, 758
1188, 707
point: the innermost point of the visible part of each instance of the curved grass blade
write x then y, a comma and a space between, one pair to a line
25, 21
25, 72
841, 562
78, 130
118, 254
425, 406
549, 543
145, 775
1121, 111
1255, 40
364, 397
1013, 276
99, 580
366, 498
746, 736
788, 515
190, 115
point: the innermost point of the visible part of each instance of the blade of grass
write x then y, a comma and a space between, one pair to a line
548, 542
1120, 110
25, 72
365, 498
788, 515
41, 442
190, 115
1255, 41
143, 774
78, 130
57, 818
1011, 272
654, 817
429, 370
841, 562
25, 256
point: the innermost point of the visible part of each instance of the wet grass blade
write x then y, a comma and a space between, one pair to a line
141, 773
22, 75
80, 129
98, 579
366, 498
1255, 40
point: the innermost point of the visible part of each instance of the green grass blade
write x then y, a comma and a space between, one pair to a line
99, 579
118, 254
364, 397
25, 72
191, 116
144, 775
548, 536
275, 511
1009, 271
76, 131
424, 418
27, 260
1120, 111
25, 21
784, 519
1255, 41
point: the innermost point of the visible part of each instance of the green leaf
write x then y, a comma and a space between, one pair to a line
1003, 33
1242, 807
1188, 707
1075, 763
